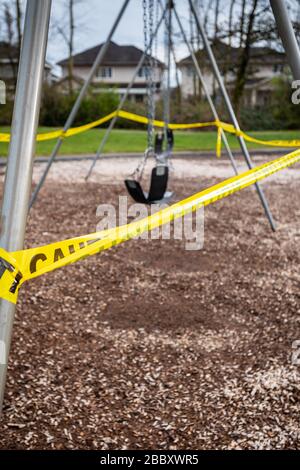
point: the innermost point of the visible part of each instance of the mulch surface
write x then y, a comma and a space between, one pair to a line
151, 346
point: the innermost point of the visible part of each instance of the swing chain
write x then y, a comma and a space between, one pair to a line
138, 172
168, 46
148, 17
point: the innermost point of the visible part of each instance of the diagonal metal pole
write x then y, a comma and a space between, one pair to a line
173, 53
124, 98
175, 62
287, 34
21, 153
74, 111
204, 86
230, 110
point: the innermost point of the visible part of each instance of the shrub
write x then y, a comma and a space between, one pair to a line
258, 119
56, 107
280, 114
6, 113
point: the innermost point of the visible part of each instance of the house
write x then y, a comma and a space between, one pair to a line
9, 62
115, 72
265, 64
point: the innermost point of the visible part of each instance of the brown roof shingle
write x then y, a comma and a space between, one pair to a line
115, 55
261, 55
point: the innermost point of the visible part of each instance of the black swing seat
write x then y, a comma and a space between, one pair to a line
158, 187
159, 176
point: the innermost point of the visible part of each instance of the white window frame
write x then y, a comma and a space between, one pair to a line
104, 72
143, 72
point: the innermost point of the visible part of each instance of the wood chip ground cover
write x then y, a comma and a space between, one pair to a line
151, 346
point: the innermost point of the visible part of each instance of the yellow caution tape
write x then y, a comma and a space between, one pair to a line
18, 267
219, 142
91, 125
144, 120
10, 277
69, 133
218, 124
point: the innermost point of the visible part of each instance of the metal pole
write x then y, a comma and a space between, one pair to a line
204, 86
78, 102
287, 34
124, 98
175, 62
21, 152
168, 45
231, 111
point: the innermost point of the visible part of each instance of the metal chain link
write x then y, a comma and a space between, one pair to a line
151, 78
155, 59
168, 34
148, 18
148, 25
156, 37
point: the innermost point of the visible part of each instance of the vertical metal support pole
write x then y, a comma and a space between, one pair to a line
124, 98
204, 86
168, 40
287, 34
21, 152
78, 102
231, 111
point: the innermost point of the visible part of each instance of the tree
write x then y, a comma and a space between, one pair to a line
67, 26
19, 16
68, 35
249, 23
246, 39
11, 34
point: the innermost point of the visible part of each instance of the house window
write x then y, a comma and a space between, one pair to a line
104, 72
142, 72
278, 68
139, 98
190, 71
263, 98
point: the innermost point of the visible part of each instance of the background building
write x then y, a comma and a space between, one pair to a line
115, 73
9, 63
265, 64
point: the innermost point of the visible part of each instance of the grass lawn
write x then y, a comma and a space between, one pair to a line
122, 141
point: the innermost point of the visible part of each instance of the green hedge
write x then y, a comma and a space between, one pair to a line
56, 107
280, 114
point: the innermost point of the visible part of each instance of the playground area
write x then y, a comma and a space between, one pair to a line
149, 230
150, 346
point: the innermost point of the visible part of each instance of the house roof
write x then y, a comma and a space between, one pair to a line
115, 55
10, 53
258, 55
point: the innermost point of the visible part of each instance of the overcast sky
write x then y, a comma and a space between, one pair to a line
94, 19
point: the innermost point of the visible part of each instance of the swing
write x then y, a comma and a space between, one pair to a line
160, 173
158, 185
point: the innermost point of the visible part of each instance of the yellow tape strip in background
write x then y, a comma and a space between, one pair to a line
144, 120
35, 262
